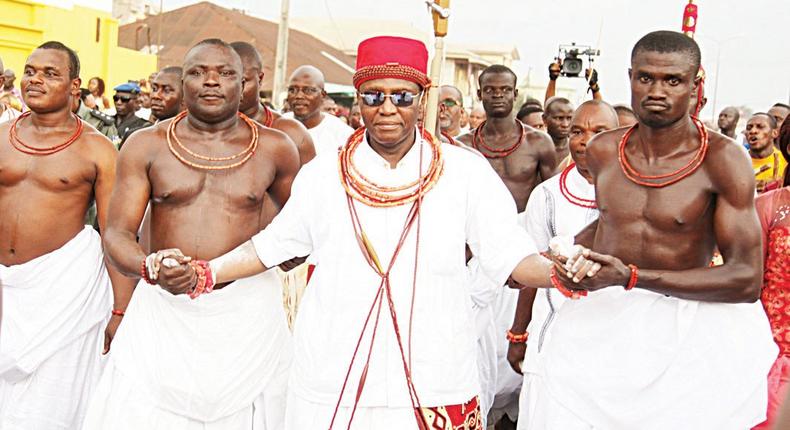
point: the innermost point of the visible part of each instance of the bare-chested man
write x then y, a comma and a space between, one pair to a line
557, 118
522, 157
167, 96
683, 345
252, 107
56, 290
217, 361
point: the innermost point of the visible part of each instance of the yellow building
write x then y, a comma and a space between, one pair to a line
25, 24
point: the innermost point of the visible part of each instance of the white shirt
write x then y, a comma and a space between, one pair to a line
143, 113
550, 214
329, 135
8, 114
468, 205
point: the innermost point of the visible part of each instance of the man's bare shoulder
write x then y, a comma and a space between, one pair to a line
466, 138
298, 134
537, 138
727, 164
272, 135
96, 144
724, 145
275, 142
148, 140
606, 142
290, 126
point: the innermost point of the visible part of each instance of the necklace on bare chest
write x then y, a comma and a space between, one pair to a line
21, 146
660, 181
478, 142
214, 163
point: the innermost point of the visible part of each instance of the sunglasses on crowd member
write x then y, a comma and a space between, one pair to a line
116, 98
449, 103
308, 91
401, 99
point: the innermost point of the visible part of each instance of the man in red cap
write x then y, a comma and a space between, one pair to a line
385, 337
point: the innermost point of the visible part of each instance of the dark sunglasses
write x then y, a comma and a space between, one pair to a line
401, 99
118, 98
449, 103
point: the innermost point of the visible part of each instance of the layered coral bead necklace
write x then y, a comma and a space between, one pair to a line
566, 192
660, 181
268, 120
478, 141
364, 190
361, 189
245, 154
21, 146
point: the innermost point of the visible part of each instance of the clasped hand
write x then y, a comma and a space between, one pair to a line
171, 270
587, 270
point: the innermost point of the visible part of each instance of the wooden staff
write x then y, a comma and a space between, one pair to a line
440, 10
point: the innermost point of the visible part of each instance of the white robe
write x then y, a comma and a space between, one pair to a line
55, 308
8, 114
549, 214
636, 359
508, 382
495, 307
483, 292
217, 362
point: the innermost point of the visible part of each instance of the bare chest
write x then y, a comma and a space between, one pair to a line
62, 171
174, 183
519, 167
678, 207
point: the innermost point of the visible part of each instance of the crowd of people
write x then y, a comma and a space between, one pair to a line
540, 266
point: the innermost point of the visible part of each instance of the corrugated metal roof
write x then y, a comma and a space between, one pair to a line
183, 28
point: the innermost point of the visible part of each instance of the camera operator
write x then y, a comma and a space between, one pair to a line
555, 70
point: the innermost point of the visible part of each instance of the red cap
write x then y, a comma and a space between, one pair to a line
392, 57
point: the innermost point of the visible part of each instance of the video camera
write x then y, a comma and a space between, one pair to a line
572, 64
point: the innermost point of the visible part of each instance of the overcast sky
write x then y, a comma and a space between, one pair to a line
748, 36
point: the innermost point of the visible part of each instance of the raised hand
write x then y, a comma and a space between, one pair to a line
554, 70
593, 80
